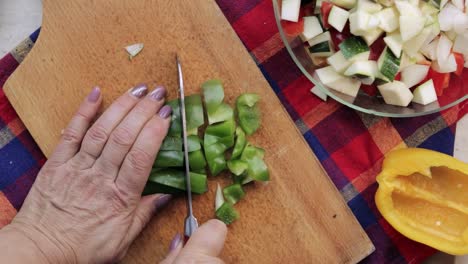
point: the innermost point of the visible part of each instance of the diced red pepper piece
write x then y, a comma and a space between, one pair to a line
441, 80
369, 89
325, 11
377, 48
293, 29
338, 37
460, 63
398, 77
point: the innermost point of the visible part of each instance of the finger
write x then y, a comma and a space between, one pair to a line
149, 205
73, 134
97, 135
137, 164
208, 240
174, 249
124, 135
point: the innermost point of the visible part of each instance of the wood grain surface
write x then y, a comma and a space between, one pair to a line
299, 217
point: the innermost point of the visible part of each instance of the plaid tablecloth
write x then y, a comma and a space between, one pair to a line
349, 144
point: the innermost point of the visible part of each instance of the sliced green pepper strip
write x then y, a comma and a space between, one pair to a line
233, 193
169, 158
176, 127
194, 112
217, 111
248, 112
193, 143
153, 187
240, 143
214, 154
176, 179
172, 143
237, 167
197, 160
227, 213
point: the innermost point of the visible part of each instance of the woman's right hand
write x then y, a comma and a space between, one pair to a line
204, 246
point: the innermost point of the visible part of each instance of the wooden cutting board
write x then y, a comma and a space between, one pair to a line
298, 217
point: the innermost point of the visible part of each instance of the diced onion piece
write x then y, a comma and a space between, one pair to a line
413, 25
460, 22
445, 66
444, 48
290, 10
461, 45
319, 93
425, 93
414, 74
407, 9
396, 93
459, 4
446, 16
219, 200
134, 49
430, 50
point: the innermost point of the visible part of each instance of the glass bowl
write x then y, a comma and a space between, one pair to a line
456, 93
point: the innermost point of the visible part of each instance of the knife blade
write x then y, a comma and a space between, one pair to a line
191, 223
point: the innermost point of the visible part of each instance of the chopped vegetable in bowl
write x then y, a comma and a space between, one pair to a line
364, 53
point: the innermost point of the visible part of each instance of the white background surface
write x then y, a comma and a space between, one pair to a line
19, 18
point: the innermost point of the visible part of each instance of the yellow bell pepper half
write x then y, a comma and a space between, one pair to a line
424, 195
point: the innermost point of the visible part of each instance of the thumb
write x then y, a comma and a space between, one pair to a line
206, 243
148, 206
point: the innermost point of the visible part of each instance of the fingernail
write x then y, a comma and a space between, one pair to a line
139, 91
158, 93
94, 95
165, 111
175, 242
163, 200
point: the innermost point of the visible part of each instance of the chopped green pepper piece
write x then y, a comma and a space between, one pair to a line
194, 112
176, 127
172, 143
223, 129
192, 132
217, 111
196, 160
240, 143
176, 179
169, 158
214, 154
237, 167
248, 112
233, 193
257, 169
153, 187
252, 151
193, 143
227, 213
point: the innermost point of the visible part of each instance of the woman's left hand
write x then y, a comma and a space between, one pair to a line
85, 205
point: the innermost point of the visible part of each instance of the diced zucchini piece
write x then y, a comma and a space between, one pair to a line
425, 93
396, 93
318, 5
346, 85
325, 36
430, 50
414, 74
386, 3
371, 36
406, 61
388, 19
405, 8
338, 62
373, 22
413, 26
318, 92
327, 75
322, 49
363, 56
290, 10
388, 64
428, 9
358, 23
353, 46
318, 61
415, 44
348, 4
365, 70
394, 43
368, 6
338, 18
312, 28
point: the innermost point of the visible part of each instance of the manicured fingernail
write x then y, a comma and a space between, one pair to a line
139, 91
158, 93
94, 95
163, 200
165, 111
175, 242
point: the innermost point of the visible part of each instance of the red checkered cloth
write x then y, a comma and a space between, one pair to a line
349, 144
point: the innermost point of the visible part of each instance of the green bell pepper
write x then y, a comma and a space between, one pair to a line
197, 160
176, 126
169, 158
226, 128
193, 143
217, 111
172, 143
233, 193
241, 141
153, 187
227, 213
256, 167
237, 167
194, 112
214, 154
252, 151
176, 179
248, 112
